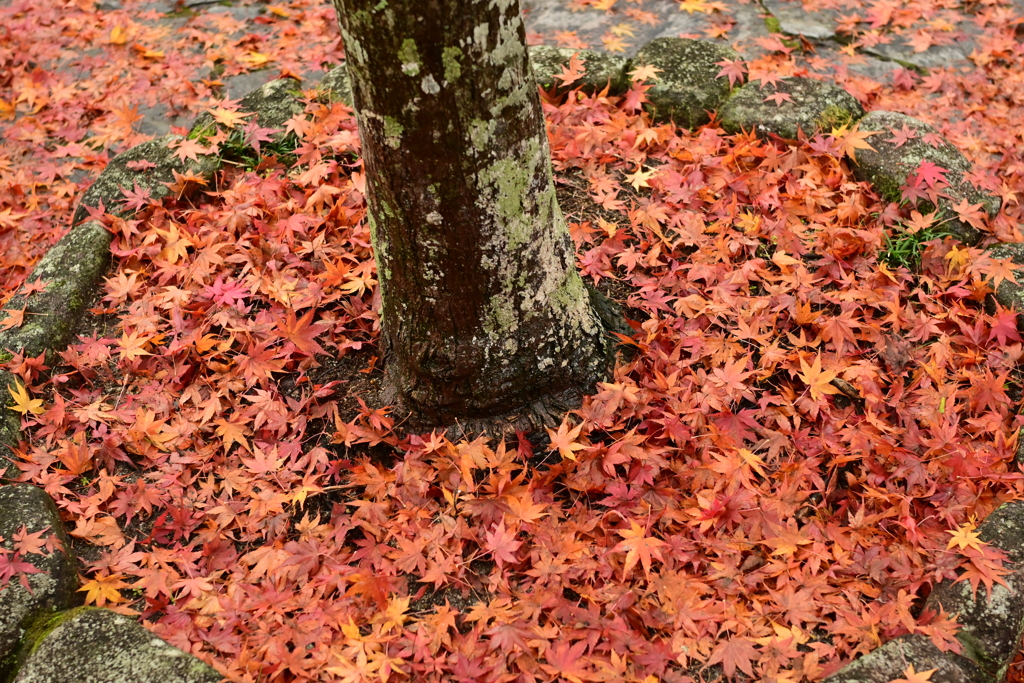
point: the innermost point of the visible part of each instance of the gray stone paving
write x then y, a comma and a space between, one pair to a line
811, 32
546, 19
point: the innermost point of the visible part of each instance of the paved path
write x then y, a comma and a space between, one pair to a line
623, 29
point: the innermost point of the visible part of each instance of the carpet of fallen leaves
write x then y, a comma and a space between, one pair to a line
797, 450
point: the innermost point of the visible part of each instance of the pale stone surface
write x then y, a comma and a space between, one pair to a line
90, 645
335, 86
890, 661
551, 18
936, 56
795, 19
10, 430
53, 589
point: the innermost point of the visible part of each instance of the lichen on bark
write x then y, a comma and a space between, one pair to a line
483, 310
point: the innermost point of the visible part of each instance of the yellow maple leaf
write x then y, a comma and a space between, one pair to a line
956, 258
613, 43
645, 72
782, 634
964, 537
565, 440
133, 346
147, 53
254, 58
692, 6
640, 177
23, 403
394, 615
749, 222
911, 676
229, 117
816, 379
753, 460
623, 29
232, 433
298, 496
119, 36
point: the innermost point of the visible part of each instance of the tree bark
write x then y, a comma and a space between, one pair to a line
483, 312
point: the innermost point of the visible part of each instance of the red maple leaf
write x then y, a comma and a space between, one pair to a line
253, 134
733, 653
929, 174
971, 214
638, 546
12, 565
502, 545
902, 136
733, 69
137, 199
567, 661
778, 98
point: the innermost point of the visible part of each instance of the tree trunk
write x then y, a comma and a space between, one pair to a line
483, 311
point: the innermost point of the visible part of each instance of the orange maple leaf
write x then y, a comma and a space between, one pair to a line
850, 140
564, 440
639, 547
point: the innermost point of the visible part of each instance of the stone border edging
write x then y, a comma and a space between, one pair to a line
688, 88
992, 622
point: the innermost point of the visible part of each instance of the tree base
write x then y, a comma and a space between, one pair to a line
546, 411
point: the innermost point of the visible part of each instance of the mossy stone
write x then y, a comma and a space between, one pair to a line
71, 270
812, 106
890, 661
101, 646
53, 589
117, 175
600, 69
1011, 294
272, 105
335, 86
688, 86
887, 168
1018, 456
992, 621
10, 429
